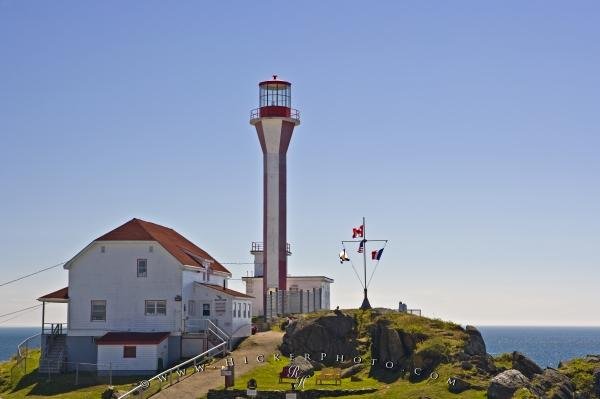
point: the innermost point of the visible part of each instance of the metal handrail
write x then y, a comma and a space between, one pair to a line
210, 326
145, 384
294, 113
54, 329
25, 343
224, 336
22, 356
258, 246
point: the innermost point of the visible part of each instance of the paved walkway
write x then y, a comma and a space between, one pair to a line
197, 385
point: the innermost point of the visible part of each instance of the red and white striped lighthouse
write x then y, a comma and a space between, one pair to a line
274, 121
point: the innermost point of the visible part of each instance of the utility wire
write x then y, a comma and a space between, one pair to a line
21, 310
19, 315
31, 274
237, 263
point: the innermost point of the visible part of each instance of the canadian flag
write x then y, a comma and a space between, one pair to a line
357, 231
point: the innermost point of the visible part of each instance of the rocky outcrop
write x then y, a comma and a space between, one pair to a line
352, 370
483, 363
525, 365
392, 345
505, 384
596, 379
387, 345
426, 362
333, 335
475, 354
552, 384
305, 368
475, 345
458, 385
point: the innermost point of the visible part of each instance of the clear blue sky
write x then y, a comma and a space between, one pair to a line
466, 132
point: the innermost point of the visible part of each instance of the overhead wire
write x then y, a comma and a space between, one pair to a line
20, 310
19, 315
32, 274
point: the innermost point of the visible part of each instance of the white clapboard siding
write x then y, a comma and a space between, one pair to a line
112, 276
111, 357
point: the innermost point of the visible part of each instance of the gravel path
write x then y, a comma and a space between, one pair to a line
198, 384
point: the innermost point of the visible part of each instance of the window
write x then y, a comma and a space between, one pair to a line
206, 309
142, 267
249, 312
155, 308
239, 310
244, 311
98, 310
102, 249
234, 309
191, 307
129, 351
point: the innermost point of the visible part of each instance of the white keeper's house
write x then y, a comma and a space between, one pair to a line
140, 298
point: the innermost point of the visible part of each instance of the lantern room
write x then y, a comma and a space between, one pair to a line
275, 100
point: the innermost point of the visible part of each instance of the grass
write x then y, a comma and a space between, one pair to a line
434, 336
32, 385
503, 360
267, 378
581, 372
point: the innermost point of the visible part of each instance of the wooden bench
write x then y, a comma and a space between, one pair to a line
329, 374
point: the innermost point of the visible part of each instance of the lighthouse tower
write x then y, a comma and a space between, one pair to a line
274, 121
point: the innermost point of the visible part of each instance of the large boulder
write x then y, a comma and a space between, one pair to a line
427, 358
475, 345
552, 384
305, 368
392, 345
505, 384
596, 387
458, 385
525, 365
483, 364
352, 370
386, 344
335, 335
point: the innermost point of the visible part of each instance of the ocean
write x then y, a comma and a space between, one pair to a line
10, 337
545, 345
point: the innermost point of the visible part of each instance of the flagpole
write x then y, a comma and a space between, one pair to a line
365, 253
365, 305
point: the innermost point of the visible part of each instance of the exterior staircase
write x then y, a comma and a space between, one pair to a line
212, 340
53, 357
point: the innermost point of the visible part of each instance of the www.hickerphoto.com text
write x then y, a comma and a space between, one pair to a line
230, 361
